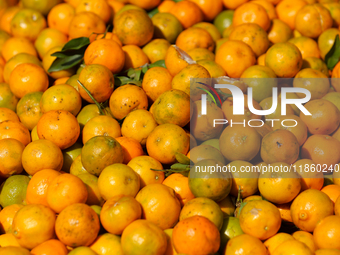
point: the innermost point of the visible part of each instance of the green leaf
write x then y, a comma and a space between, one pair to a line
76, 43
333, 56
159, 63
180, 166
208, 92
65, 63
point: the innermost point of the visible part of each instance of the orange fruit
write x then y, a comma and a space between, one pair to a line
151, 238
118, 180
99, 7
81, 234
209, 9
47, 39
11, 151
166, 25
98, 80
60, 16
8, 240
196, 235
8, 114
213, 68
332, 190
279, 31
309, 207
6, 217
28, 109
118, 212
306, 238
232, 52
310, 178
133, 27
131, 147
60, 127
14, 251
326, 40
16, 45
211, 29
8, 99
27, 78
287, 10
91, 183
33, 225
187, 12
290, 246
307, 46
39, 5
127, 98
134, 57
107, 243
145, 4
198, 54
16, 130
326, 233
156, 49
195, 37
105, 52
247, 243
176, 60
77, 167
50, 247
6, 18
273, 242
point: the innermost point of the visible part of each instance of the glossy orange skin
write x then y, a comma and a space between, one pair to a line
306, 238
209, 9
60, 17
134, 57
16, 130
47, 39
50, 247
107, 243
131, 148
287, 10
290, 246
326, 233
195, 37
6, 217
156, 81
333, 191
10, 154
187, 12
99, 7
273, 242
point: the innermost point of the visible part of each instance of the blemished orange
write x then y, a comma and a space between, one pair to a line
16, 130
99, 7
187, 12
196, 235
6, 217
126, 99
143, 166
131, 148
156, 81
134, 57
60, 17
64, 190
118, 212
27, 78
309, 207
279, 31
85, 24
195, 37
133, 27
235, 57
327, 232
98, 80
167, 26
42, 154
11, 151
106, 52
333, 191
60, 127
180, 184
151, 238
37, 187
81, 234
50, 247
307, 46
101, 125
33, 225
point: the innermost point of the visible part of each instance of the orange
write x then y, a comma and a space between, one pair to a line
163, 145
176, 60
156, 81
27, 23
60, 17
134, 57
107, 243
6, 18
196, 235
327, 252
85, 24
170, 250
39, 5
247, 244
26, 78
336, 206
50, 247
292, 246
60, 127
252, 217
127, 98
201, 54
133, 27
28, 109
41, 154
213, 68
14, 251
47, 39
332, 190
195, 37
11, 151
307, 46
77, 167
306, 238
91, 183
8, 240
326, 40
325, 117
81, 234
16, 130
287, 10
37, 187
165, 6
118, 212
86, 113
98, 80
8, 114
150, 237
118, 180
156, 49
334, 9
6, 217
145, 4
166, 26
187, 12
273, 242
33, 225
131, 148
106, 52
211, 29
143, 166
326, 233
279, 31
309, 207
205, 151
308, 25
209, 9
333, 97
227, 207
8, 99
99, 7
310, 178
235, 57
64, 190
251, 13
180, 185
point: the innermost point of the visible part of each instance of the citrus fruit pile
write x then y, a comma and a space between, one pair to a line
106, 136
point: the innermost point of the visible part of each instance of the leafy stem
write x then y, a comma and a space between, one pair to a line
93, 99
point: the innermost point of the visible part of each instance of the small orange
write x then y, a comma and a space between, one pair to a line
7, 16
47, 39
307, 46
279, 31
131, 148
292, 246
326, 40
334, 9
246, 243
81, 234
33, 225
196, 235
106, 52
60, 127
8, 240
134, 57
306, 238
50, 247
166, 25
209, 9
16, 130
326, 233
107, 243
310, 178
64, 190
99, 7
77, 167
28, 109
156, 81
198, 54
176, 60
98, 80
213, 68
91, 183
14, 251
27, 78
187, 12
156, 49
60, 17
273, 242
6, 217
332, 190
143, 166
118, 212
11, 151
195, 37
16, 45
287, 10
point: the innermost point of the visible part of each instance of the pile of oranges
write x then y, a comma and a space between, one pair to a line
101, 129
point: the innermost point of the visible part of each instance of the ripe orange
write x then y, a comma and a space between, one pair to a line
60, 17
50, 247
187, 12
306, 238
99, 7
6, 217
11, 151
195, 37
134, 57
47, 39
16, 45
326, 233
332, 190
310, 178
247, 243
131, 148
16, 130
